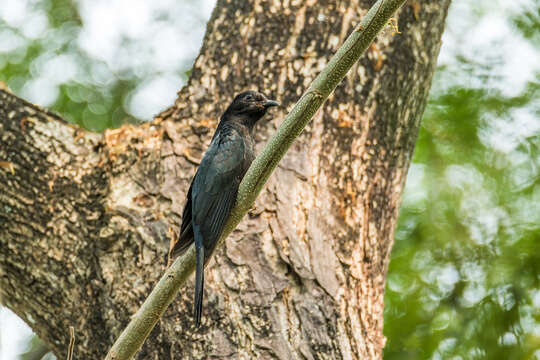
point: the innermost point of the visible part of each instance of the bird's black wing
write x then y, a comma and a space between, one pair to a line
216, 182
216, 185
185, 239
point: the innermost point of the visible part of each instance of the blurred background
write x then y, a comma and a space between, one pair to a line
464, 277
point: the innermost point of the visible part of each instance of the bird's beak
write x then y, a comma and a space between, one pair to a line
269, 103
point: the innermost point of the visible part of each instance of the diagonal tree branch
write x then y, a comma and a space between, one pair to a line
163, 294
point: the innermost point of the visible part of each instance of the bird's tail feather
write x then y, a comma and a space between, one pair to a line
199, 283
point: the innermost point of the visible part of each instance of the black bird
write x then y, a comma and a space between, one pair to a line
214, 187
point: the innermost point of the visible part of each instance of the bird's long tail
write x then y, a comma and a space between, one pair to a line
199, 278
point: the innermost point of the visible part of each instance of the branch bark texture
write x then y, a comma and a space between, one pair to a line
85, 218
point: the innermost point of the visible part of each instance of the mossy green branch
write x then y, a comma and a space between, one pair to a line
163, 294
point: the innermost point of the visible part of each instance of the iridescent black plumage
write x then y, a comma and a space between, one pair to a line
213, 190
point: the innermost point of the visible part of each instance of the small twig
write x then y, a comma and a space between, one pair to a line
71, 342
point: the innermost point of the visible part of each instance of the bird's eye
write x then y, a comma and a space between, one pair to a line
249, 97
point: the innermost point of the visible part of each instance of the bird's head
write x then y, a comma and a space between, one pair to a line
249, 107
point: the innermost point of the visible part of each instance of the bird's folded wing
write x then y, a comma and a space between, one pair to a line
212, 192
179, 245
216, 185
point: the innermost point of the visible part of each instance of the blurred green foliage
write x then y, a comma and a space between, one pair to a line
464, 277
528, 22
82, 98
98, 64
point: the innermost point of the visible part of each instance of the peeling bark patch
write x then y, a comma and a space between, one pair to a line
265, 286
324, 259
316, 330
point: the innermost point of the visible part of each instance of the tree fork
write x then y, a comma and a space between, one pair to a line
84, 217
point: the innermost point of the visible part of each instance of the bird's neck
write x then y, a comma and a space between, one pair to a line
239, 121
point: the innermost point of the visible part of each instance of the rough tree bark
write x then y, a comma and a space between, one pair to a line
85, 218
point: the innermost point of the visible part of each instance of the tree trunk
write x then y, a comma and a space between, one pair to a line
85, 219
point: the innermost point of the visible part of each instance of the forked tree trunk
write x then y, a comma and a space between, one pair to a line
85, 218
